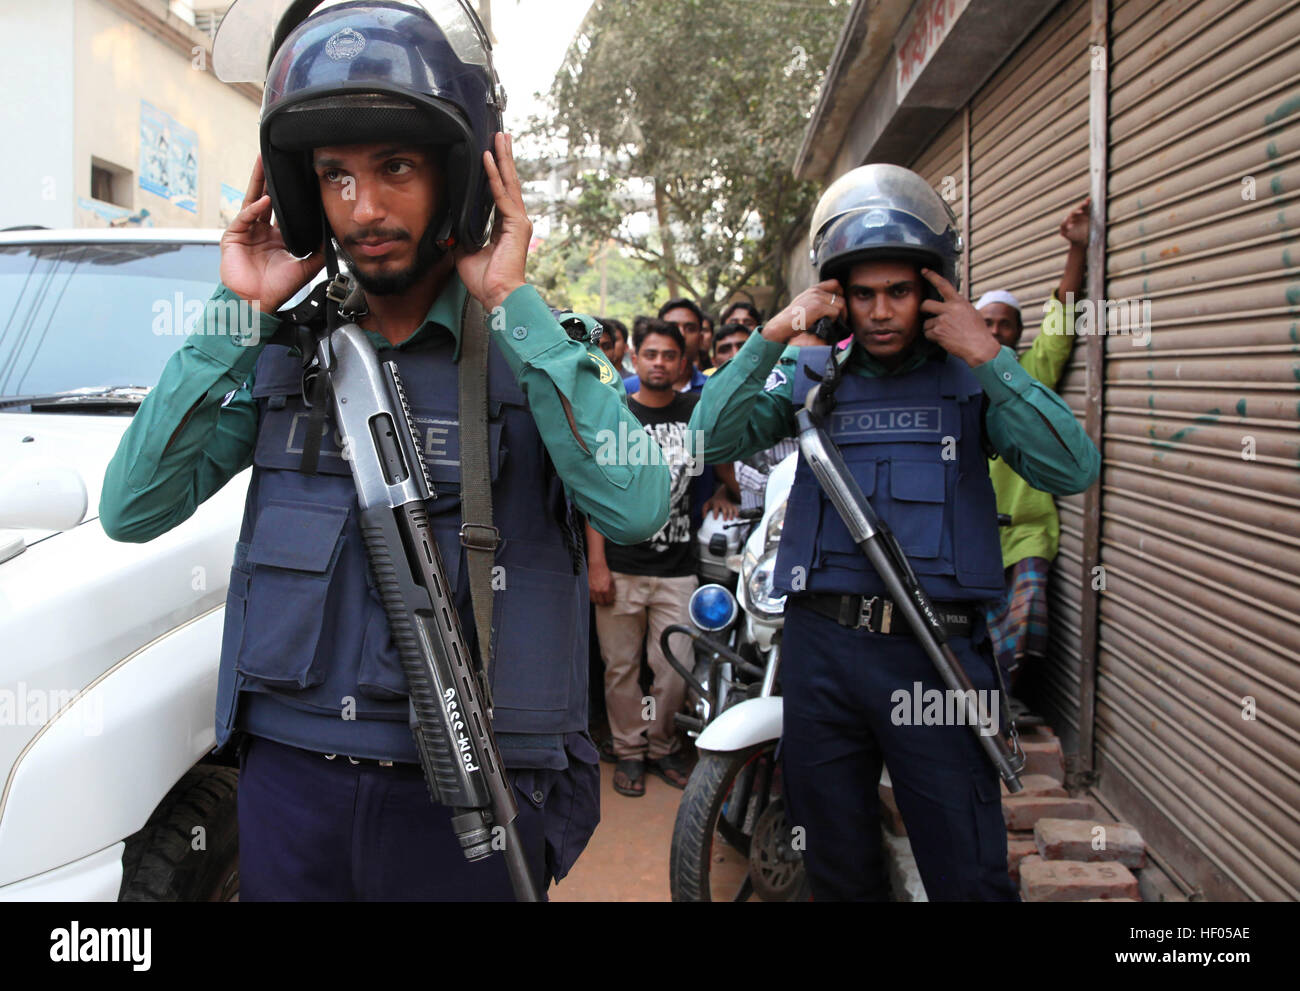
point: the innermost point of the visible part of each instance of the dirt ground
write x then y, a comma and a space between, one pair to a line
627, 858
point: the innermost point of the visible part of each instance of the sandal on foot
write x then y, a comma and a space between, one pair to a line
674, 769
629, 777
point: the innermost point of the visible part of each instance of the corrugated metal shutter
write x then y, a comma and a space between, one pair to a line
1029, 165
941, 165
1200, 545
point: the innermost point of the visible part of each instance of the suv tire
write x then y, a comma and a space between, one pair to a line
161, 864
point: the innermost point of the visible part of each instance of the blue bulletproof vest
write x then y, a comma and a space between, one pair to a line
307, 657
912, 442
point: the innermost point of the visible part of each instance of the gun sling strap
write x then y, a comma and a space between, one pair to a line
477, 533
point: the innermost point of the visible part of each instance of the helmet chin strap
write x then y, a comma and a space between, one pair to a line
343, 301
445, 240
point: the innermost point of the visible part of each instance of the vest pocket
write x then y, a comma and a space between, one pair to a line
236, 599
380, 675
292, 557
535, 635
918, 492
231, 635
835, 537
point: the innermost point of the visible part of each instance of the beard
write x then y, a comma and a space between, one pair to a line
663, 385
427, 254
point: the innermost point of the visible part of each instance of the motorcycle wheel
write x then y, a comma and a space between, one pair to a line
723, 802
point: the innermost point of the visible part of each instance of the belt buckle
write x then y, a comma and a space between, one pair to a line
470, 538
867, 612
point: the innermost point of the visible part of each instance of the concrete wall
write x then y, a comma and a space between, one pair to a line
799, 271
36, 76
118, 65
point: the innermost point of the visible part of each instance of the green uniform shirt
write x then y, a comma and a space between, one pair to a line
1035, 529
150, 487
1027, 423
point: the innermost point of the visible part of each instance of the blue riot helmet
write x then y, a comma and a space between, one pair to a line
360, 72
883, 211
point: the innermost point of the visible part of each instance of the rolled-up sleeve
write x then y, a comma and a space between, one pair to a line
743, 409
624, 499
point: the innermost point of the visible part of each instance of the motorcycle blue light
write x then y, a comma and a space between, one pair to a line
712, 608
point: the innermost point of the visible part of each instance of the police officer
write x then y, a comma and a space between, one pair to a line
921, 391
382, 124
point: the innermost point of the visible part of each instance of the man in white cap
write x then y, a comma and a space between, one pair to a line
1018, 624
1001, 313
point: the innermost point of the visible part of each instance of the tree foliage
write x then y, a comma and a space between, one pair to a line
569, 277
691, 111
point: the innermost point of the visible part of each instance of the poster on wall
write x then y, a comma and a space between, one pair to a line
232, 200
169, 158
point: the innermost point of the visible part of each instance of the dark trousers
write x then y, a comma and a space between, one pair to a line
840, 725
312, 829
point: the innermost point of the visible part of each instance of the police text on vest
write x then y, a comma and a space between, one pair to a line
874, 422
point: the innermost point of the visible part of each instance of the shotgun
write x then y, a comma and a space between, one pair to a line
450, 704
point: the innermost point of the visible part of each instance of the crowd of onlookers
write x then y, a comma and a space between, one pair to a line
637, 591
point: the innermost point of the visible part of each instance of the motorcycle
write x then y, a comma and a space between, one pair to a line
732, 840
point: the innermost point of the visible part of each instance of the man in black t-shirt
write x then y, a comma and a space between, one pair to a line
641, 589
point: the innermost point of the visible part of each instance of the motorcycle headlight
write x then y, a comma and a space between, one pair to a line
775, 525
712, 608
762, 595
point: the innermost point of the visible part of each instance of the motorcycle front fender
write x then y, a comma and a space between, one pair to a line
743, 725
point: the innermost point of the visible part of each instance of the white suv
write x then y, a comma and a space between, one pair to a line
108, 664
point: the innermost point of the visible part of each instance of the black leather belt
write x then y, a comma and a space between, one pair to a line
880, 615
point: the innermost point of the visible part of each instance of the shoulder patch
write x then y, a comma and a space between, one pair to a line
607, 374
775, 380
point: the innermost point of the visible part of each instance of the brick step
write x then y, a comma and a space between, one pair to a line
1038, 786
1043, 732
1019, 846
1023, 812
1071, 881
1079, 839
1043, 756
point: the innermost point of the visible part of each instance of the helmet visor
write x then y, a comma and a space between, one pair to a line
886, 188
242, 50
